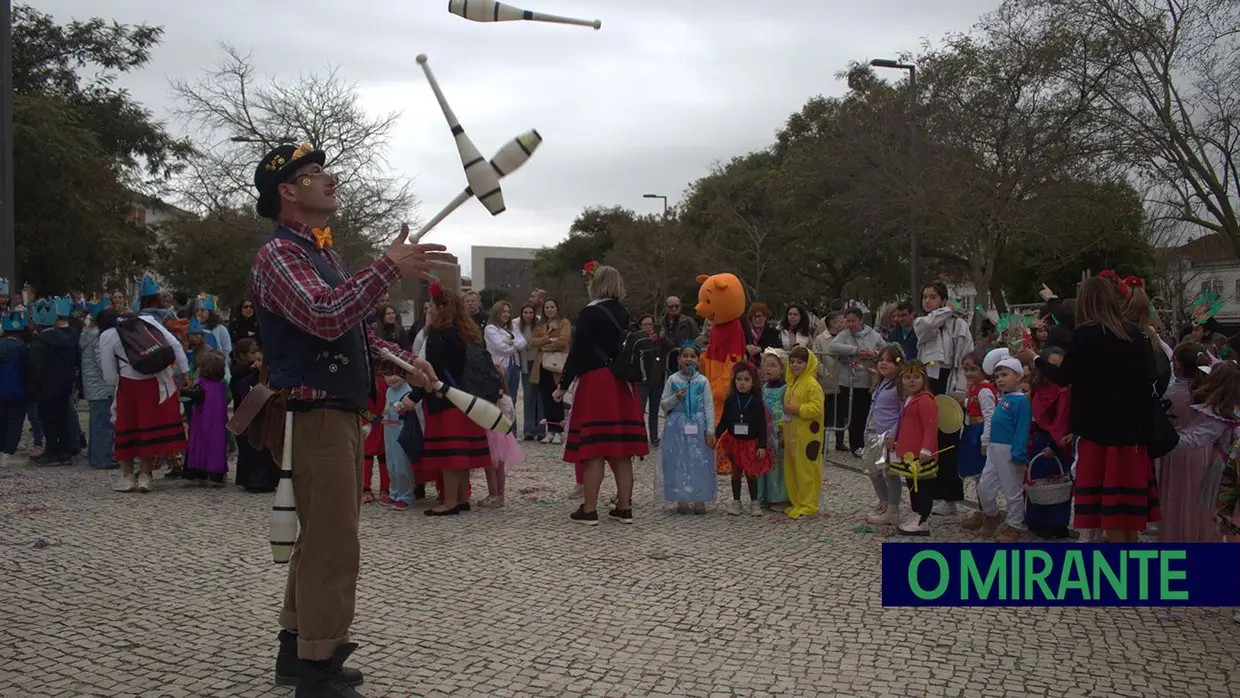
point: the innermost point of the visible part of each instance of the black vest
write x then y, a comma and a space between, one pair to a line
295, 358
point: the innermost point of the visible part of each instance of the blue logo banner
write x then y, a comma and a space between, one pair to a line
1061, 574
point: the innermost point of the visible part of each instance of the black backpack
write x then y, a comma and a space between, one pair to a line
146, 348
630, 363
481, 378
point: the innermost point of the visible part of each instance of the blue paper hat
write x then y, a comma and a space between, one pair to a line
13, 322
135, 306
94, 308
148, 286
194, 327
42, 313
62, 306
206, 300
4, 286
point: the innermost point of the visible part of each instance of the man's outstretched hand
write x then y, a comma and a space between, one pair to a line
416, 261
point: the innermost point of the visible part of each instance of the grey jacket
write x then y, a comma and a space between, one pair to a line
855, 373
94, 387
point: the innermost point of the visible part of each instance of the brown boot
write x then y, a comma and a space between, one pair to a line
974, 522
1007, 534
990, 524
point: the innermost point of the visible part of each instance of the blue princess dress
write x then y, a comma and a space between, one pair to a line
685, 473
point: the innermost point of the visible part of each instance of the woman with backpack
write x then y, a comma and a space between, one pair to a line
453, 444
606, 421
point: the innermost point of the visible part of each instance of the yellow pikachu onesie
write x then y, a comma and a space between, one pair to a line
803, 439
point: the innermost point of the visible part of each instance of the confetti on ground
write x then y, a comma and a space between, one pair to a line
863, 528
828, 540
781, 541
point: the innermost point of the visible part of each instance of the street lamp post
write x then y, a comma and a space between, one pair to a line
8, 237
658, 196
914, 256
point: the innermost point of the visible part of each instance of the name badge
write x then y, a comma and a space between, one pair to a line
740, 429
691, 428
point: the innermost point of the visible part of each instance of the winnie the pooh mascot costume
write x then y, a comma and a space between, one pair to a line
721, 299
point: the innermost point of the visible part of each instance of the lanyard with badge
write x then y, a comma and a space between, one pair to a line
691, 425
741, 428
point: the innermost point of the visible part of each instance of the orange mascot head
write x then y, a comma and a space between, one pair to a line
721, 298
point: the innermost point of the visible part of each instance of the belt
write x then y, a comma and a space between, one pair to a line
976, 420
334, 405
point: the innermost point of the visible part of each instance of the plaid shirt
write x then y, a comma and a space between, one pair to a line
284, 281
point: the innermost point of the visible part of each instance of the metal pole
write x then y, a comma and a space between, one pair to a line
914, 256
8, 238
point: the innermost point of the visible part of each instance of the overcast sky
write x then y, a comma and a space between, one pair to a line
644, 105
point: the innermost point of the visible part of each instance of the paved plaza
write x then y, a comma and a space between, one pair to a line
173, 593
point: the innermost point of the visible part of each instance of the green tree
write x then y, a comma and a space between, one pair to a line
591, 236
81, 147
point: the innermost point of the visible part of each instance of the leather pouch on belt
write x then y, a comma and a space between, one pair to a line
260, 417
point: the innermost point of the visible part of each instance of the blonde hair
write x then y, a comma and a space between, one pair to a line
606, 283
1097, 303
1137, 311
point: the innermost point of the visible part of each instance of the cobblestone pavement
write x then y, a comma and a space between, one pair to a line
173, 593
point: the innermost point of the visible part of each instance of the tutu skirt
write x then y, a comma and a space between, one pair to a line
1115, 487
453, 442
686, 469
606, 419
504, 449
743, 453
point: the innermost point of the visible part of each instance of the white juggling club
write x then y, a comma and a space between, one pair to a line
490, 11
485, 414
483, 180
506, 161
284, 509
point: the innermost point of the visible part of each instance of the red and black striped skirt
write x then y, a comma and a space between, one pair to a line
605, 420
1115, 488
146, 427
453, 442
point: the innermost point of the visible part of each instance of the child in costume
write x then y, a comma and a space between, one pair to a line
207, 457
400, 474
374, 449
912, 454
772, 491
979, 400
505, 453
803, 432
743, 429
1190, 487
881, 423
721, 302
1007, 455
1218, 399
1050, 448
686, 474
256, 467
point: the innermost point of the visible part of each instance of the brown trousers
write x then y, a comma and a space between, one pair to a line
321, 591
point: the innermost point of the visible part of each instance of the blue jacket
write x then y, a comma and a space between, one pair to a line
12, 369
1009, 425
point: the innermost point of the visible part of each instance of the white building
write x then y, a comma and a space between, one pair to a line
1208, 263
502, 268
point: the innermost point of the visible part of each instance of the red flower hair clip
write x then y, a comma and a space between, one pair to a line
1120, 286
589, 269
1132, 281
436, 291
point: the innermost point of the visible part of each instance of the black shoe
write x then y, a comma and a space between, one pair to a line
286, 664
45, 460
446, 512
581, 517
326, 679
464, 506
529, 437
624, 516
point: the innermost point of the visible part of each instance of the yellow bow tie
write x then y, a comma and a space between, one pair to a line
322, 238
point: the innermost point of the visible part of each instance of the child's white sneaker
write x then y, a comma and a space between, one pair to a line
557, 438
125, 483
734, 507
915, 527
755, 508
942, 508
144, 483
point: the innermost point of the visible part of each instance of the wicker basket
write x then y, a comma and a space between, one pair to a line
1048, 491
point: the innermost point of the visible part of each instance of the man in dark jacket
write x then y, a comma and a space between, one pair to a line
678, 328
55, 360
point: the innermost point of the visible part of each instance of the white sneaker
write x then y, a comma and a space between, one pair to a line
125, 483
888, 517
144, 483
915, 527
942, 508
546, 439
755, 508
734, 507
857, 453
557, 438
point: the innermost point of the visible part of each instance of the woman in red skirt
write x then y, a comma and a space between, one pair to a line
1110, 368
373, 449
148, 409
606, 420
453, 445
